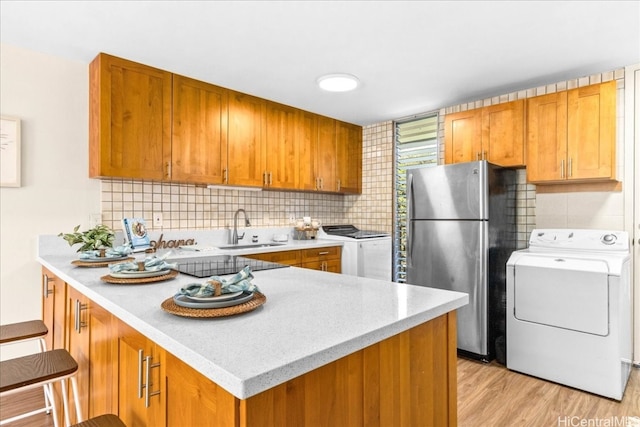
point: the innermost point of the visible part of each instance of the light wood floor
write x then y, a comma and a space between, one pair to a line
489, 395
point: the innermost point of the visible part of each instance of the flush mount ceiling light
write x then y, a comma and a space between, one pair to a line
338, 82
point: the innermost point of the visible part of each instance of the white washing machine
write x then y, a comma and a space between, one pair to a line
569, 309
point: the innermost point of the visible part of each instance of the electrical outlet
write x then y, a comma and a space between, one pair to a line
95, 219
157, 219
292, 218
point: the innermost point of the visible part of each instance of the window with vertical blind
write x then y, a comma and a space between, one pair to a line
416, 146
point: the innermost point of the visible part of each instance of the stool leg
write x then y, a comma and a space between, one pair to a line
48, 391
65, 402
47, 403
74, 387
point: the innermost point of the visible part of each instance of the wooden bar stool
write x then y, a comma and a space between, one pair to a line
26, 331
37, 370
108, 420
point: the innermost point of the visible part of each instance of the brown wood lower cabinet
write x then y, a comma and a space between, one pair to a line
323, 259
141, 386
407, 379
193, 400
93, 344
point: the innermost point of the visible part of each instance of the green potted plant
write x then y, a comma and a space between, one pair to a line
99, 238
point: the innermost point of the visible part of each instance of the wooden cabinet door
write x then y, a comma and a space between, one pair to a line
546, 137
463, 136
503, 133
280, 148
591, 133
53, 309
349, 157
281, 257
246, 126
141, 372
194, 400
129, 120
93, 343
199, 143
326, 154
78, 339
307, 145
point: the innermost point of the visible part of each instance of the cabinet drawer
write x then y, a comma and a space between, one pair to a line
331, 265
319, 254
284, 257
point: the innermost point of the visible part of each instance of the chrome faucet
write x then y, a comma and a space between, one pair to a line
235, 237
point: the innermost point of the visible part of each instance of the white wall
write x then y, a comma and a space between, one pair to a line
50, 97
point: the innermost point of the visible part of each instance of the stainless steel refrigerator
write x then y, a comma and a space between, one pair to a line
461, 230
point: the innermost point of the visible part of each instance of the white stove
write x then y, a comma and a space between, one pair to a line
364, 253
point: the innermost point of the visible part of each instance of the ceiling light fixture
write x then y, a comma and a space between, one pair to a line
338, 82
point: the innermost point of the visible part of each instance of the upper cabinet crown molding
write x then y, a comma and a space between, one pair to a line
150, 124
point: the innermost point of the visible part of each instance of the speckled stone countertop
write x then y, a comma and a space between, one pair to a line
310, 318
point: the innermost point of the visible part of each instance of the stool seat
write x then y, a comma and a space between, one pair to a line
22, 330
108, 420
35, 369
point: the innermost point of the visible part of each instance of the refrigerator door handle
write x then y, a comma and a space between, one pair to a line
409, 216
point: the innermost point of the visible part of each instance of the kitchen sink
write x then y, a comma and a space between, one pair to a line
253, 246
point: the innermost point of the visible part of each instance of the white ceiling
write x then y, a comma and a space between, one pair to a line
411, 57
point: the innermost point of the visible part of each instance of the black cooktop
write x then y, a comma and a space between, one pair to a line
220, 265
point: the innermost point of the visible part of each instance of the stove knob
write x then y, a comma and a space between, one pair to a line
608, 239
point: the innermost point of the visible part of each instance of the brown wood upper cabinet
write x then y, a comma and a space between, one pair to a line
571, 135
245, 148
129, 119
150, 124
281, 160
494, 133
199, 138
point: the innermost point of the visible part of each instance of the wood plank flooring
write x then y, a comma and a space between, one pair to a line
489, 395
492, 395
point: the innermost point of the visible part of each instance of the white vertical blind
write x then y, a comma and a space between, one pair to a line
416, 146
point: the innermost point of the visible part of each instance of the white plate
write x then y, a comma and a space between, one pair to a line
103, 259
222, 297
182, 301
138, 274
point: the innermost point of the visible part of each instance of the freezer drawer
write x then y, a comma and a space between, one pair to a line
563, 292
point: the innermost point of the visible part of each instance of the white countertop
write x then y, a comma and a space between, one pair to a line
310, 318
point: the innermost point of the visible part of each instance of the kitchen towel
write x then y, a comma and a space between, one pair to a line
241, 281
117, 252
151, 263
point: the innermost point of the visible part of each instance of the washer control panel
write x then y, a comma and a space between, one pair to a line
579, 240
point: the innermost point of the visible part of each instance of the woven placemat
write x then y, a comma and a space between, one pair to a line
170, 306
139, 280
80, 263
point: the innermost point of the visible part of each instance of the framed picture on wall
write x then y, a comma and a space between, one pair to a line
9, 151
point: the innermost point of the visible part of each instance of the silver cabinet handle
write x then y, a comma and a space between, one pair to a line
570, 172
321, 184
79, 324
323, 253
484, 155
339, 185
225, 176
45, 286
562, 168
147, 387
270, 179
140, 385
